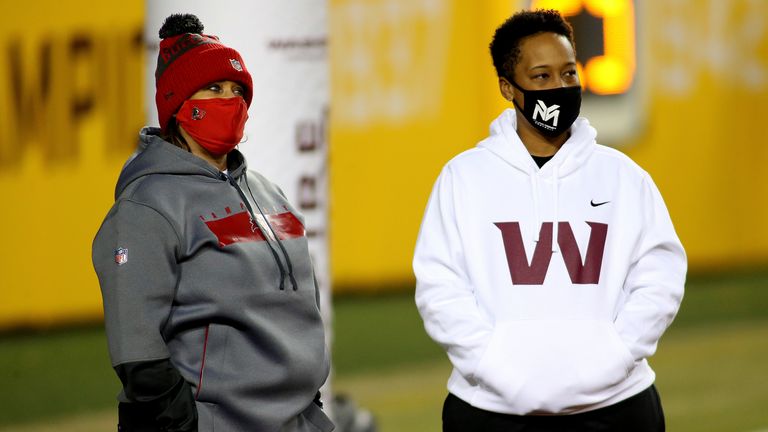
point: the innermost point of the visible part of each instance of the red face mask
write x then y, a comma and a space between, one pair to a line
216, 124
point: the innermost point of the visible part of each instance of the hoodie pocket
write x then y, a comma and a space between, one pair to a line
553, 366
212, 354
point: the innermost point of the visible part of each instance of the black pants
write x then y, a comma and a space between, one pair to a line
640, 413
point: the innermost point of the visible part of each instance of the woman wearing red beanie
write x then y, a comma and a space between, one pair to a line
210, 300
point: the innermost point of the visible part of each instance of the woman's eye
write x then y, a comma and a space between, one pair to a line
214, 87
541, 76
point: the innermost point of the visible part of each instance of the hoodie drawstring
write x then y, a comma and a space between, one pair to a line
277, 239
555, 206
255, 223
537, 225
505, 143
537, 212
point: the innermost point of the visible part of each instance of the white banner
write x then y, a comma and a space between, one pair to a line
284, 46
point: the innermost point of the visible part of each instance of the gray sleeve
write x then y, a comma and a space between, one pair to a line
134, 254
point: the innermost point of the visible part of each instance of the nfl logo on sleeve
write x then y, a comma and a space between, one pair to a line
121, 256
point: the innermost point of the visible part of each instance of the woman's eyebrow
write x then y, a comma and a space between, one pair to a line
546, 66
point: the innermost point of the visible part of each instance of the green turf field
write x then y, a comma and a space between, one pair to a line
711, 365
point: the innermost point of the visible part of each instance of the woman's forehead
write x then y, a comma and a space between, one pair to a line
545, 49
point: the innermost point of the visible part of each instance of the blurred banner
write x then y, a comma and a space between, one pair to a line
70, 110
412, 85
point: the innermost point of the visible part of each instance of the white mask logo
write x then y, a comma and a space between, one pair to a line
545, 113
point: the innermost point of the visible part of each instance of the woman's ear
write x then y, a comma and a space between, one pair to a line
506, 89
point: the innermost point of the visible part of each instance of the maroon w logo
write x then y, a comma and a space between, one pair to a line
524, 274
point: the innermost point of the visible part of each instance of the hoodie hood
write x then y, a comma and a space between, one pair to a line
505, 143
157, 156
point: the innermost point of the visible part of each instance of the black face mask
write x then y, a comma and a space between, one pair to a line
550, 111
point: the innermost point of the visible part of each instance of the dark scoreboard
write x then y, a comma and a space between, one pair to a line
605, 32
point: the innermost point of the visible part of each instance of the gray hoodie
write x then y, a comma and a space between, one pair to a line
212, 271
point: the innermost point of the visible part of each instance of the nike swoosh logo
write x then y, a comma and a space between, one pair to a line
594, 204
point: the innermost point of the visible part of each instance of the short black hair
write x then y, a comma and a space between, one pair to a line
505, 46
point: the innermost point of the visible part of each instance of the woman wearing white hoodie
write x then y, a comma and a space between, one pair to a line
548, 325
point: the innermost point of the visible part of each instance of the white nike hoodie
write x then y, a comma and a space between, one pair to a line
537, 326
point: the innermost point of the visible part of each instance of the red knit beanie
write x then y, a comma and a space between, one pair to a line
189, 60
